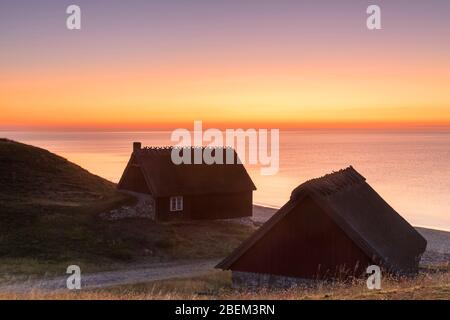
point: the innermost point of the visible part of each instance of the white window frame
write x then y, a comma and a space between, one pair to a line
176, 204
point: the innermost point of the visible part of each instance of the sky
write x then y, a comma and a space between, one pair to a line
249, 63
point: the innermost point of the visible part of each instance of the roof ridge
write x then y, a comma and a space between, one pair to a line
186, 147
169, 148
330, 183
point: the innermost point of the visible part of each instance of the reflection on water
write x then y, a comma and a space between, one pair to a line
411, 170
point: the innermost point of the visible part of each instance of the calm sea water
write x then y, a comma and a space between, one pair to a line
411, 170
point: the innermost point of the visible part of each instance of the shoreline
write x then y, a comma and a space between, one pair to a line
267, 207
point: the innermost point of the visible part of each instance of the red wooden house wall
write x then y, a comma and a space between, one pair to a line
305, 244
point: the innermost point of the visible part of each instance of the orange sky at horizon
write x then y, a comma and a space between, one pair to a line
158, 65
305, 96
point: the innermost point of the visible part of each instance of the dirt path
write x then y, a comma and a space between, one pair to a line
153, 272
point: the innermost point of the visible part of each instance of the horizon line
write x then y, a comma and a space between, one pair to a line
222, 126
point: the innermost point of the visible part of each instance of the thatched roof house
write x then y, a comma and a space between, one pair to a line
189, 191
331, 225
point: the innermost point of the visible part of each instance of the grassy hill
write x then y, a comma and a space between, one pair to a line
50, 217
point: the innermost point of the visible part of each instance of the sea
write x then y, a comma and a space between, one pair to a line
409, 169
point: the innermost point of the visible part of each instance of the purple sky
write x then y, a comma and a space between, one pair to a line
34, 31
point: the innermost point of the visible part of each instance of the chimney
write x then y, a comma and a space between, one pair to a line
136, 146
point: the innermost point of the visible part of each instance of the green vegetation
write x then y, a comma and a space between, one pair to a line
50, 217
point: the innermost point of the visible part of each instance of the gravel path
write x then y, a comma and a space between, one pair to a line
153, 272
438, 247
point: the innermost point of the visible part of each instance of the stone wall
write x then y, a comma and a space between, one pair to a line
253, 281
143, 208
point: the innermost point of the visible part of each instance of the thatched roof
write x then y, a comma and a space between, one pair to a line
361, 213
164, 178
330, 183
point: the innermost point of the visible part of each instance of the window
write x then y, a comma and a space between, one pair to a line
176, 203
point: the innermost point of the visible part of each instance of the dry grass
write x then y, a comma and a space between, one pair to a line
217, 285
424, 287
